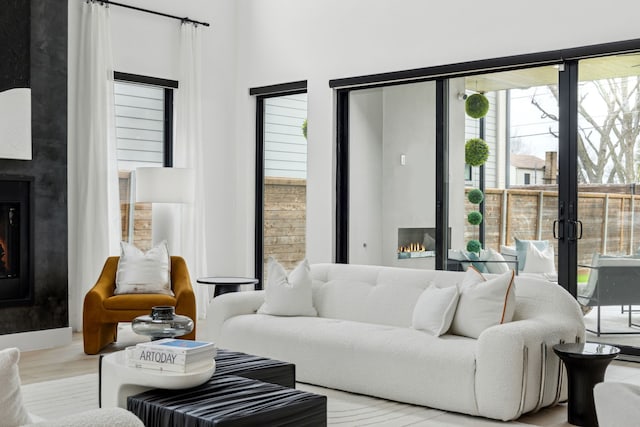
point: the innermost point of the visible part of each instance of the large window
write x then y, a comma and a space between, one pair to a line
143, 119
281, 176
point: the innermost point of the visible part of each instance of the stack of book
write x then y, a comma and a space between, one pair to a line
172, 355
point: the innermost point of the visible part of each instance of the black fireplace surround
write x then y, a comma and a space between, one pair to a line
16, 223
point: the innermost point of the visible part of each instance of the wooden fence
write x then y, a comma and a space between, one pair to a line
609, 220
285, 220
285, 201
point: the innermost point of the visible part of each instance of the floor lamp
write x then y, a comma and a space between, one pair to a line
165, 187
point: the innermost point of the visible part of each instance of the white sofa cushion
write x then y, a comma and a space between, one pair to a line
288, 295
11, 408
434, 310
521, 249
396, 363
539, 261
497, 264
144, 272
483, 303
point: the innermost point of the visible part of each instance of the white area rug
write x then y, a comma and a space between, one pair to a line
57, 398
54, 399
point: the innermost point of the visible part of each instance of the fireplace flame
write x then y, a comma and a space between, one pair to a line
412, 247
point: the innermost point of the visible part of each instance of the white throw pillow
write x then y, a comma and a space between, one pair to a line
521, 249
497, 264
288, 296
11, 408
144, 272
434, 309
484, 303
539, 261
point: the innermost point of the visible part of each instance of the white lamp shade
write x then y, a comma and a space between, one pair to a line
165, 185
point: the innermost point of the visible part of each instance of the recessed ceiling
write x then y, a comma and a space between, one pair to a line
589, 69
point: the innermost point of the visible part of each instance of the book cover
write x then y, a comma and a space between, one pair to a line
162, 356
178, 346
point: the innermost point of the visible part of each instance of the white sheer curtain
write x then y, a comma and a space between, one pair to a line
94, 216
189, 154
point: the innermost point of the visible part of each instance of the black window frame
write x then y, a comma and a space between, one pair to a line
168, 86
565, 59
261, 93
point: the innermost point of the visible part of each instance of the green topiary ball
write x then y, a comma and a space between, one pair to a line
475, 196
476, 152
474, 246
474, 218
304, 128
476, 106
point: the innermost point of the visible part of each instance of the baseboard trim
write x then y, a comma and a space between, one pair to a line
37, 340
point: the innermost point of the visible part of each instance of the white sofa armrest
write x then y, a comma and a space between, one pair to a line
617, 404
501, 355
229, 305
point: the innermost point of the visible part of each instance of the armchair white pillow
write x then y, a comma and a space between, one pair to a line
288, 295
144, 272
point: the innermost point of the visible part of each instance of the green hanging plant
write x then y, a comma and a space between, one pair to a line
474, 246
475, 196
476, 106
474, 218
476, 152
304, 128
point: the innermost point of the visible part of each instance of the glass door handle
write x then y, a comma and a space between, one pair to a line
557, 231
575, 231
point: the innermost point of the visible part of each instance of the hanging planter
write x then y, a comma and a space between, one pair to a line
304, 128
474, 218
475, 196
474, 246
476, 152
476, 106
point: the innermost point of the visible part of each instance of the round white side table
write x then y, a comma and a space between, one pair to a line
118, 381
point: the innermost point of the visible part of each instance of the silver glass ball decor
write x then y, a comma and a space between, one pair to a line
163, 322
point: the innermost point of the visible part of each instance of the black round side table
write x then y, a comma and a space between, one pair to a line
586, 364
226, 284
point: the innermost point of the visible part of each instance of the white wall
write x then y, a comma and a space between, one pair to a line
365, 177
289, 40
408, 190
262, 42
148, 45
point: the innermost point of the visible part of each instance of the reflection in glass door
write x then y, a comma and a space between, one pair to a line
392, 176
519, 179
608, 169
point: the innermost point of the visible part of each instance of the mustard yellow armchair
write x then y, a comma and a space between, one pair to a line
103, 310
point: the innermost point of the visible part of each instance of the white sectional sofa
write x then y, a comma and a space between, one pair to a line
362, 341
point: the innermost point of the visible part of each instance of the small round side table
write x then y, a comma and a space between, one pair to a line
586, 364
226, 284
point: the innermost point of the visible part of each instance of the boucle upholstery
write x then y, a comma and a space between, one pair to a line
362, 341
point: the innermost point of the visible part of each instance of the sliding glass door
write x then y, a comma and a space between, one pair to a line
608, 169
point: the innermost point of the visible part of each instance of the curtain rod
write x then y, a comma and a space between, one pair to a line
153, 12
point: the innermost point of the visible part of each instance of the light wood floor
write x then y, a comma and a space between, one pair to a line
69, 361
